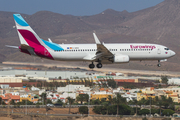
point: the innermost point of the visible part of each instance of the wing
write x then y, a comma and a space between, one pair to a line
102, 51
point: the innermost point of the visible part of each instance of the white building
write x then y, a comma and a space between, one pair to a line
130, 96
34, 88
3, 86
174, 89
54, 97
174, 81
134, 90
65, 95
70, 88
44, 74
14, 93
42, 91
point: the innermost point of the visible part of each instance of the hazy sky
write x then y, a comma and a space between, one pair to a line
74, 7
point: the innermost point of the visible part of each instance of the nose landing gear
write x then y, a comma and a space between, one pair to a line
159, 64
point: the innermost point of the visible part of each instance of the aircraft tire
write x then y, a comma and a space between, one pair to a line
159, 65
99, 65
91, 66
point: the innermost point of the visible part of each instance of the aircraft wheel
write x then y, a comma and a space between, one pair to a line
91, 66
99, 65
159, 65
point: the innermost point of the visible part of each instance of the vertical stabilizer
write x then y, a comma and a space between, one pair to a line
26, 34
30, 39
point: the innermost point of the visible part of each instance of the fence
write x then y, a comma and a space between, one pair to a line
82, 115
43, 106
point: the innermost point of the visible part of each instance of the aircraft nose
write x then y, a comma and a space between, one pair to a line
173, 53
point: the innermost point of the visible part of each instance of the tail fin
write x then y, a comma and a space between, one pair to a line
30, 39
26, 34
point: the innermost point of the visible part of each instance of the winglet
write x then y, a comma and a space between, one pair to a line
96, 39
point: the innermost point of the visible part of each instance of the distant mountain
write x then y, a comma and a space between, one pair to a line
49, 24
108, 17
159, 24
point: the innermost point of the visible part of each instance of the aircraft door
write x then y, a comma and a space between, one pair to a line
158, 50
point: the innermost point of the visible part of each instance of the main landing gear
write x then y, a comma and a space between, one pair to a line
91, 66
159, 64
99, 65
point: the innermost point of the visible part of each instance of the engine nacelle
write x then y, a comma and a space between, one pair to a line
121, 59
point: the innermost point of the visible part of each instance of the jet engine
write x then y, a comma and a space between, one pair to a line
121, 59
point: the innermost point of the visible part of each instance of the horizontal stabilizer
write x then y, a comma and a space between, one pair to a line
12, 46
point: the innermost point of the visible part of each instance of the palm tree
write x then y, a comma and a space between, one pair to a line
149, 102
43, 97
1, 100
156, 99
170, 100
105, 106
159, 103
165, 101
12, 102
140, 102
136, 103
119, 100
71, 101
110, 99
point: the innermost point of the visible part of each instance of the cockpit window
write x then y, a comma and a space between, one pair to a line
166, 48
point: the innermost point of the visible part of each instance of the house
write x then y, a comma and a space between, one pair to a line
100, 95
9, 96
34, 88
146, 93
30, 97
69, 88
130, 96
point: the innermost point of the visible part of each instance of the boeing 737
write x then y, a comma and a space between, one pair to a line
99, 52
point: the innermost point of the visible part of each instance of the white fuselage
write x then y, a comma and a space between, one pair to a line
135, 51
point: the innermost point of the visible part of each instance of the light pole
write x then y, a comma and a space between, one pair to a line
88, 104
26, 101
150, 106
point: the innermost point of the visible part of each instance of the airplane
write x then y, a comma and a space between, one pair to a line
99, 52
